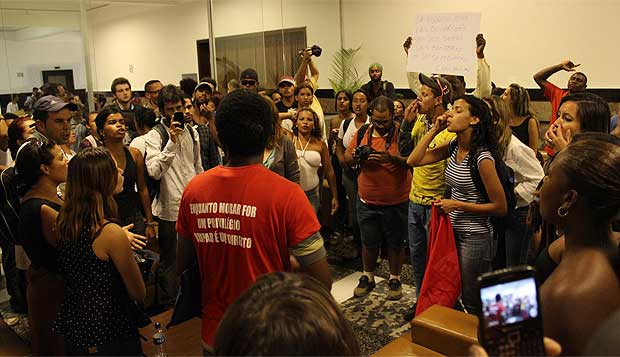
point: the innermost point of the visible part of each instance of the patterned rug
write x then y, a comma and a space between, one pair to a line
376, 320
21, 328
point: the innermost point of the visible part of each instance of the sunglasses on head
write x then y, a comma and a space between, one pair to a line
444, 89
248, 82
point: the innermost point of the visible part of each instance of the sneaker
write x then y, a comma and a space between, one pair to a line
364, 287
410, 314
396, 289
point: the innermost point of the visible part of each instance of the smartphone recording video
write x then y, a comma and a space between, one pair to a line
179, 120
509, 303
510, 322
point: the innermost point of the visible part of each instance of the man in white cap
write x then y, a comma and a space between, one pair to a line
52, 117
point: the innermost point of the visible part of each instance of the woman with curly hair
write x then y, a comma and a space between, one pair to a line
476, 191
313, 153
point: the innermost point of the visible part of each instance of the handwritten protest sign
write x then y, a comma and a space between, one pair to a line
444, 43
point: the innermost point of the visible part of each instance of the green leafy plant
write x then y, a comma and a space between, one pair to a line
344, 74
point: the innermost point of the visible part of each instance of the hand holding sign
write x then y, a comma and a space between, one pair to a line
443, 44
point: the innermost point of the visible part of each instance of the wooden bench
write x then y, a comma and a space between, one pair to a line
439, 331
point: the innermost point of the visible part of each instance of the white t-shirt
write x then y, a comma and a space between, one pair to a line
351, 130
12, 107
5, 158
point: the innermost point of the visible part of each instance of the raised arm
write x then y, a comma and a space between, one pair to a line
541, 76
412, 77
483, 71
157, 160
302, 71
405, 141
421, 156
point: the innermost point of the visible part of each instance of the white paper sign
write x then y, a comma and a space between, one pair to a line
444, 43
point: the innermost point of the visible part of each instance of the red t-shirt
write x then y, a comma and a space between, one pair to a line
243, 221
555, 95
382, 184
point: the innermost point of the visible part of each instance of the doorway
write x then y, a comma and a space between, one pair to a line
60, 76
204, 58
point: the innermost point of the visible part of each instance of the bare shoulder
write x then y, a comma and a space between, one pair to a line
590, 278
112, 234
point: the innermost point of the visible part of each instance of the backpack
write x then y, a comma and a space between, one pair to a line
506, 178
152, 184
9, 206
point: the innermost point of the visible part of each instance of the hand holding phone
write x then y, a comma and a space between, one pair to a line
177, 125
510, 323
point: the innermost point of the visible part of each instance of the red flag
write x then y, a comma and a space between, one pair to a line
442, 278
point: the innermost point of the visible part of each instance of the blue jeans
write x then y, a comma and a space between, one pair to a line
476, 253
517, 242
417, 221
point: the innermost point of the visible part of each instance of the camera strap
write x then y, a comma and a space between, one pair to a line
388, 139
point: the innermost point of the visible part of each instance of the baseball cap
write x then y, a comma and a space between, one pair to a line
52, 104
286, 79
204, 85
440, 87
249, 73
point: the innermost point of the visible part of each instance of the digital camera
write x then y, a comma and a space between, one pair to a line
363, 152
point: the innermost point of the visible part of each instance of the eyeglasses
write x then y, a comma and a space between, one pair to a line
381, 122
284, 84
248, 82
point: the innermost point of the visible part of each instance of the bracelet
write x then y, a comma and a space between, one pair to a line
149, 224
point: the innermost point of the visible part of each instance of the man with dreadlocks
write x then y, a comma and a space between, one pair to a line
376, 87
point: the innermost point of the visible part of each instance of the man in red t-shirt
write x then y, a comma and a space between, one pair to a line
577, 83
383, 189
241, 220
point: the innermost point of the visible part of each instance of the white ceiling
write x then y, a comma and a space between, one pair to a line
31, 19
74, 5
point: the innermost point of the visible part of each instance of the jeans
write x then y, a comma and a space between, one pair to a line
166, 270
418, 219
475, 252
517, 242
313, 197
350, 186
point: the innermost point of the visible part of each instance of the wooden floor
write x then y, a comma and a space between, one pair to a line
10, 343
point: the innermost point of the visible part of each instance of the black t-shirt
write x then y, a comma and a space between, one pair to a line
283, 108
40, 252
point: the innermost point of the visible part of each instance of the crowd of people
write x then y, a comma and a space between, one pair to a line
234, 182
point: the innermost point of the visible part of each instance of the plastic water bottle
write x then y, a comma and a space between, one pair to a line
159, 342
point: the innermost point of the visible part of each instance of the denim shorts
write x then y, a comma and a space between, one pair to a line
378, 223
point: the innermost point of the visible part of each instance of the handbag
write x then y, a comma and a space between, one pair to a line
189, 299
